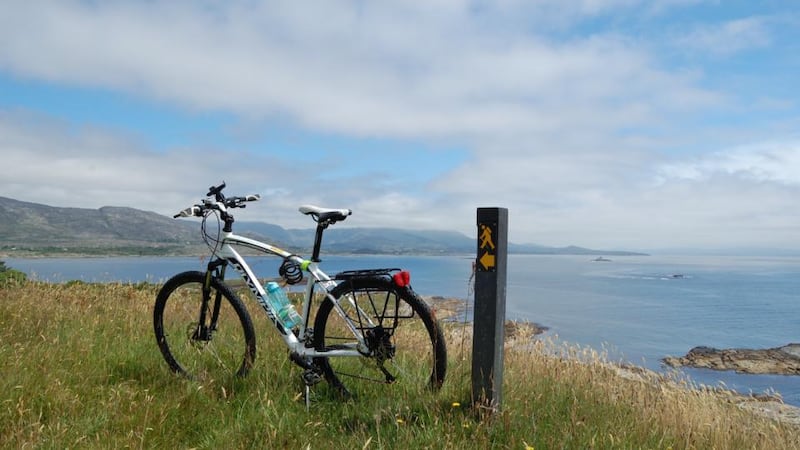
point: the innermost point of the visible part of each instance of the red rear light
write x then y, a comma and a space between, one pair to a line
402, 279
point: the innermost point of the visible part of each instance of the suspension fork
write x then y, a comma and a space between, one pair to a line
216, 269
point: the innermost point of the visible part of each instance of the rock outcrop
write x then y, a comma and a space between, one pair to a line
780, 360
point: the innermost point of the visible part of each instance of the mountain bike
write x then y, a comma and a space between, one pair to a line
369, 325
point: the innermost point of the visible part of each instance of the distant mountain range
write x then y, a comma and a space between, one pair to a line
35, 229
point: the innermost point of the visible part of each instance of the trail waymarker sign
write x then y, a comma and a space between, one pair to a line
490, 308
487, 249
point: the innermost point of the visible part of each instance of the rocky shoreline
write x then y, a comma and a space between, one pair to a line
767, 405
452, 309
778, 361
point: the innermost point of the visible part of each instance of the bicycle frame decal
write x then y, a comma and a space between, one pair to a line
295, 343
257, 290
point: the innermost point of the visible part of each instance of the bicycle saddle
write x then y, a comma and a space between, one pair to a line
325, 214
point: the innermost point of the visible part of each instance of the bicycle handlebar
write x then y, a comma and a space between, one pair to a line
219, 203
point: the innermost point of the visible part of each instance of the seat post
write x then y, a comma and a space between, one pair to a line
318, 241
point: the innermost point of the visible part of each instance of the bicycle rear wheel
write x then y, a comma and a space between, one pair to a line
406, 345
203, 340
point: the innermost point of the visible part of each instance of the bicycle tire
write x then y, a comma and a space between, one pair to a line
224, 347
399, 351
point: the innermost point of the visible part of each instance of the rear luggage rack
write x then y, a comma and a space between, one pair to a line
366, 273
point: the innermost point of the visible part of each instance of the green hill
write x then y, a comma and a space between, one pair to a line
35, 229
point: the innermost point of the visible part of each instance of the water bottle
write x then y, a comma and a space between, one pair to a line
283, 307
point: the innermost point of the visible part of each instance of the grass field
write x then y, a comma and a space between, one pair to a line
80, 368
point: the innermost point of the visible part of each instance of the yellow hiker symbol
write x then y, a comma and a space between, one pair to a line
486, 237
487, 245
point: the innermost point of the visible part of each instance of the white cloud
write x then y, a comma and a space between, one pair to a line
51, 163
729, 37
569, 133
766, 162
743, 197
347, 68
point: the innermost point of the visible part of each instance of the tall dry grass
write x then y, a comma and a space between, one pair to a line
80, 368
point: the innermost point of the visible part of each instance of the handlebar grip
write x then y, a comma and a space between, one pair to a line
188, 212
252, 198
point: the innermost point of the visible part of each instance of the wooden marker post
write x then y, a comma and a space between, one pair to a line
490, 308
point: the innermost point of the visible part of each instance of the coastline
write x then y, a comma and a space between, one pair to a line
523, 334
452, 310
544, 274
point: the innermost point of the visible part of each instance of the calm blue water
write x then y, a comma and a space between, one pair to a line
639, 308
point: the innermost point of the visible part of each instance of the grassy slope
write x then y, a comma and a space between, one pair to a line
80, 368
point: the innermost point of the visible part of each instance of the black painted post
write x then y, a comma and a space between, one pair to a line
490, 308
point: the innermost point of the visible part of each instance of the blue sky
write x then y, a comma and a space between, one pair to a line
604, 123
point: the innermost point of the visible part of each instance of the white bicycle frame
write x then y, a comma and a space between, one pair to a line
295, 344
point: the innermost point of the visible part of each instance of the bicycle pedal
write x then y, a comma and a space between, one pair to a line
311, 377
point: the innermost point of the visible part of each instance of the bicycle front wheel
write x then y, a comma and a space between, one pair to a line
405, 343
203, 339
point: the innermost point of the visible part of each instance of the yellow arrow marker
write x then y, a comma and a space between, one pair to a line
487, 261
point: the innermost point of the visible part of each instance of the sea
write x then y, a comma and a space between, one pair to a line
635, 309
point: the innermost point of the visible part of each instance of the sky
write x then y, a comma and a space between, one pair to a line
614, 124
